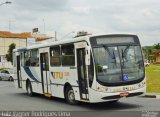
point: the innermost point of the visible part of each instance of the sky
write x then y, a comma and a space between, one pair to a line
140, 17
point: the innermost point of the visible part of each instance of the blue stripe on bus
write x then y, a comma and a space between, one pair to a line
22, 49
29, 73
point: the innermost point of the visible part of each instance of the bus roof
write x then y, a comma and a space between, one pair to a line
65, 41
20, 49
71, 40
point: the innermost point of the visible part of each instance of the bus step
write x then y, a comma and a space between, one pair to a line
47, 94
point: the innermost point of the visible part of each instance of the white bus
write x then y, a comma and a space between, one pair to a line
90, 68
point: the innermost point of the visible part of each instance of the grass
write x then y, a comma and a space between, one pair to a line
153, 79
4, 68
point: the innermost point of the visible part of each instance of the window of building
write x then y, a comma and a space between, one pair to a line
55, 58
3, 58
68, 55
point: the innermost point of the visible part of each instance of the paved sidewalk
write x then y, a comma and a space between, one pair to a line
152, 95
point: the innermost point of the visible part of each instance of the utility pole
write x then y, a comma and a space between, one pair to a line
44, 26
10, 24
55, 34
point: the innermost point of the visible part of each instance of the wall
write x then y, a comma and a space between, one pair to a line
4, 46
158, 58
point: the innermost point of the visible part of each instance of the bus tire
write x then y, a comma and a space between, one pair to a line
113, 101
69, 96
29, 89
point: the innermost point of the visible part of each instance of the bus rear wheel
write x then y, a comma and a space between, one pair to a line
29, 89
69, 96
113, 101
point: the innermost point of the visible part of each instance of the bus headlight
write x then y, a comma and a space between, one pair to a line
142, 84
102, 89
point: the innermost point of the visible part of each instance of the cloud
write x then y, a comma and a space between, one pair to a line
119, 16
42, 5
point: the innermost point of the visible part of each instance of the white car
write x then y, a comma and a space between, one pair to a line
7, 75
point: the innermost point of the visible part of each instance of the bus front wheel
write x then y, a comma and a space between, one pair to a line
29, 89
69, 96
113, 101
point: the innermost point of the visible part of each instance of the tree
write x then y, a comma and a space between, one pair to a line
147, 50
157, 46
9, 55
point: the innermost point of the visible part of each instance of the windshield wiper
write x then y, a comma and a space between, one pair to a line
125, 51
110, 54
122, 56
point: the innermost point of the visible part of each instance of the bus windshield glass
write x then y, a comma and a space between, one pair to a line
118, 63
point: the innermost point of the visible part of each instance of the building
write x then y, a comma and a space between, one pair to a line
41, 37
155, 56
158, 56
6, 38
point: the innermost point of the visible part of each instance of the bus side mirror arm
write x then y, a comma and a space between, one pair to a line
87, 57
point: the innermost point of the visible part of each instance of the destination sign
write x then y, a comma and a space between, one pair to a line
113, 40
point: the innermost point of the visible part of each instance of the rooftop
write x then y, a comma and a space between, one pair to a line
40, 37
6, 34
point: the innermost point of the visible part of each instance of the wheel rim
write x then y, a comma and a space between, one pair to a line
71, 96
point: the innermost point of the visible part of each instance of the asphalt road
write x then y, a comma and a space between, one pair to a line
12, 99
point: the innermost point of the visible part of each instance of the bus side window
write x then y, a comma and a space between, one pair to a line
34, 58
27, 58
55, 59
68, 55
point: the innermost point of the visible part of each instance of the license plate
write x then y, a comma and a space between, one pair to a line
124, 94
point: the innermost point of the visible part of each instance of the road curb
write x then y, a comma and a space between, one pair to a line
157, 96
149, 96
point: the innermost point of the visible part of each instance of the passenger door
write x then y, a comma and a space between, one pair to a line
82, 74
44, 61
19, 71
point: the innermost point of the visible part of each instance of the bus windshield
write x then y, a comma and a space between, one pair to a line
118, 64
